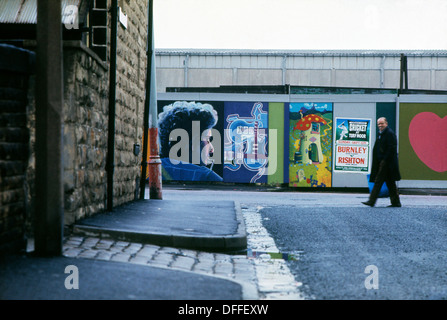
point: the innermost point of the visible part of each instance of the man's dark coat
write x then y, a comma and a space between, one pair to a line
385, 148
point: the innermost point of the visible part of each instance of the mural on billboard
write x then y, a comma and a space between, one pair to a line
423, 141
190, 141
310, 144
245, 142
430, 147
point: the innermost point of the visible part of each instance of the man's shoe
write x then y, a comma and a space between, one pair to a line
395, 206
368, 203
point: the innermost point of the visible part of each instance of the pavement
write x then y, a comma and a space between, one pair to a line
40, 278
150, 234
148, 250
200, 225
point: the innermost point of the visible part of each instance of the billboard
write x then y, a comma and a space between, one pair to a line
310, 144
352, 145
246, 142
190, 138
423, 141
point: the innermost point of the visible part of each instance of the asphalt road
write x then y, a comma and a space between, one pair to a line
407, 248
335, 238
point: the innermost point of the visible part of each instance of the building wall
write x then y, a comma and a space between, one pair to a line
130, 96
85, 133
371, 69
85, 130
15, 70
86, 91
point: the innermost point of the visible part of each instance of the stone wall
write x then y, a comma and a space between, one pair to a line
130, 97
15, 68
85, 132
86, 94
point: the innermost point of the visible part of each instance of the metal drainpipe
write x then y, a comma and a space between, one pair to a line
186, 64
152, 165
110, 167
382, 72
284, 69
146, 115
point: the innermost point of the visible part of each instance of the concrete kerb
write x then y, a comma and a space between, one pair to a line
236, 243
240, 239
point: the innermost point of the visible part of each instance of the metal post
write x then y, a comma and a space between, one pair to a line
154, 168
406, 72
49, 130
185, 71
144, 159
401, 84
403, 72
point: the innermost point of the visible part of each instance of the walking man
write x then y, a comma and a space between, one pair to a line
385, 166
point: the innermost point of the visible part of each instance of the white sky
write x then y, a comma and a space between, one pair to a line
301, 24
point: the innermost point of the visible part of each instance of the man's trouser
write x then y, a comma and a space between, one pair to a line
383, 176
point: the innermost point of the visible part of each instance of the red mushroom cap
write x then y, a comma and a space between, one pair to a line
305, 123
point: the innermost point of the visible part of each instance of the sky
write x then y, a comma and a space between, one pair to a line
301, 24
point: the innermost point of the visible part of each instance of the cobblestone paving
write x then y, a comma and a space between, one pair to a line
271, 277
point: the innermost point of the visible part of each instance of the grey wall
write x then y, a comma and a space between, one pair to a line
371, 69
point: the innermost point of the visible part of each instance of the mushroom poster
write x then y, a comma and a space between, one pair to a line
352, 145
310, 144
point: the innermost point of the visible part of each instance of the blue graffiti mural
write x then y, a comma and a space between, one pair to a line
245, 150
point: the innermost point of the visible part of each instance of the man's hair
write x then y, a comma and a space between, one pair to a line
180, 115
383, 118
